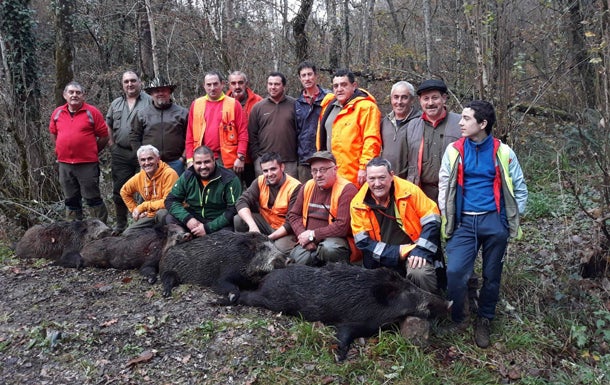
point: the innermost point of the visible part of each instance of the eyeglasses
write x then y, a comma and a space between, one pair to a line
321, 170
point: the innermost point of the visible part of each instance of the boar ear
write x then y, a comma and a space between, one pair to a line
384, 292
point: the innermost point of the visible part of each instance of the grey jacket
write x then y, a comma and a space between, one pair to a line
394, 141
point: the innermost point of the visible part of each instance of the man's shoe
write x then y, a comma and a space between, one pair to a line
481, 332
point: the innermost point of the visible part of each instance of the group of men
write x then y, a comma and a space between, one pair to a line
327, 178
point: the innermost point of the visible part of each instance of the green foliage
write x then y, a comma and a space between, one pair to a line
16, 25
540, 205
602, 324
6, 254
578, 334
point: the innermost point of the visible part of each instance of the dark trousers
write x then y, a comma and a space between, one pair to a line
489, 232
81, 180
124, 165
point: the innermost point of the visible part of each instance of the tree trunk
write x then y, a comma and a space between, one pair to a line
335, 50
24, 158
579, 49
145, 44
400, 32
427, 37
153, 38
63, 48
346, 34
368, 39
301, 47
475, 24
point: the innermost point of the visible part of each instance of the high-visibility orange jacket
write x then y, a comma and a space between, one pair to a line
232, 130
416, 214
355, 254
355, 136
276, 215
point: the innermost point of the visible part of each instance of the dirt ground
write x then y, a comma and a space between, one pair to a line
104, 326
93, 326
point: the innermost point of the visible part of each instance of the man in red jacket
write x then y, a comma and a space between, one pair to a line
79, 133
239, 88
217, 121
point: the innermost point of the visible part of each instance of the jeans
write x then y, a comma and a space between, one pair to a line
487, 231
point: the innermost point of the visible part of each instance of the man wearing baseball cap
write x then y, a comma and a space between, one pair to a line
429, 135
320, 216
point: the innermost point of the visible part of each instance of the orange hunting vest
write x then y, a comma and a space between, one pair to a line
276, 215
355, 253
227, 131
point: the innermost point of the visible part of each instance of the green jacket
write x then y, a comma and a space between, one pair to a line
213, 204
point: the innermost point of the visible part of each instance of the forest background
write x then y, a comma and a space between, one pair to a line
544, 65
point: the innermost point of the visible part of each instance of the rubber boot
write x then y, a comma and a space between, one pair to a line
74, 215
99, 212
121, 219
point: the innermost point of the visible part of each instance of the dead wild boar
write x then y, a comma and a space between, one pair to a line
224, 261
140, 249
52, 240
356, 301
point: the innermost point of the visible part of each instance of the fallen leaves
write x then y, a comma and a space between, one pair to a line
144, 357
109, 322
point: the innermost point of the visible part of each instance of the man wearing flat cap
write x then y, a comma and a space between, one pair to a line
161, 124
429, 135
320, 216
427, 138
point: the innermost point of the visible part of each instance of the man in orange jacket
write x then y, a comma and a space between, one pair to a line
396, 225
349, 127
263, 207
152, 183
217, 122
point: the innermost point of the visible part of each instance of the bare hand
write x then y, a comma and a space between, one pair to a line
238, 166
303, 238
135, 214
416, 262
196, 227
361, 177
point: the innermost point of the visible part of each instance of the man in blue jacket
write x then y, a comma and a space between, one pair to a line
482, 192
307, 110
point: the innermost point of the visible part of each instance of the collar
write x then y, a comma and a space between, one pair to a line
313, 97
436, 123
222, 96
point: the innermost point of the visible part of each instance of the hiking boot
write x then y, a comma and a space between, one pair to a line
416, 330
99, 212
481, 332
74, 215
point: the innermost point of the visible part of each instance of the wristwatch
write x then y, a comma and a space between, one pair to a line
311, 237
241, 157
